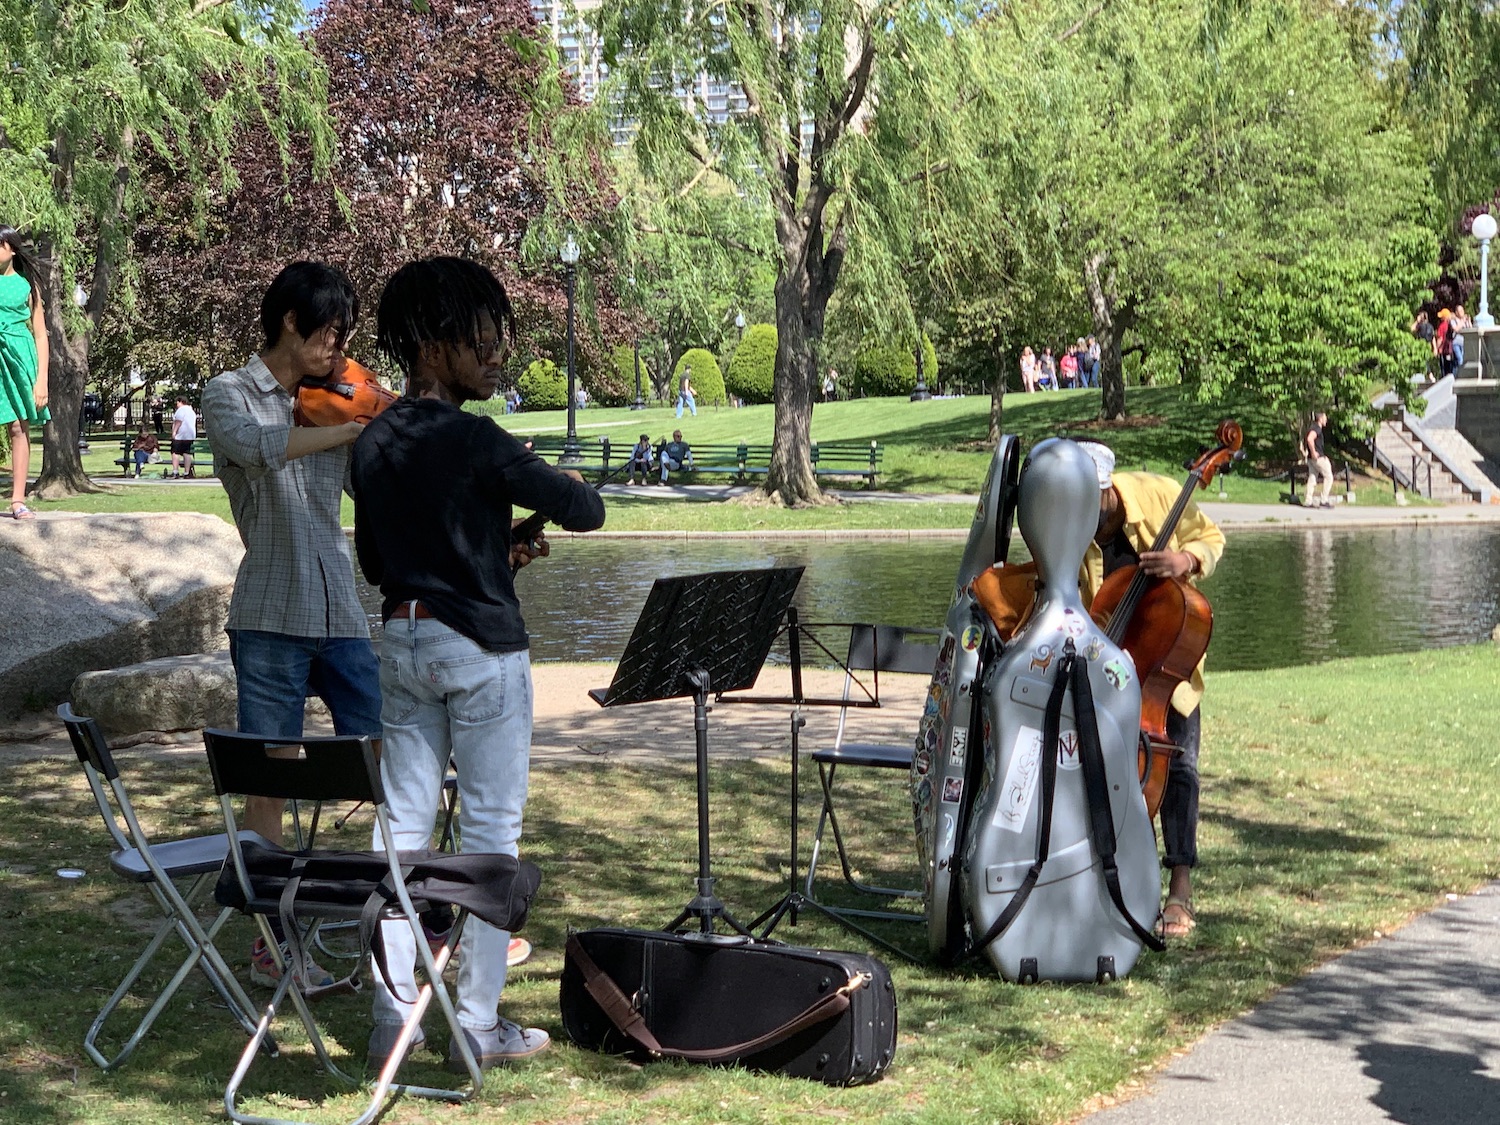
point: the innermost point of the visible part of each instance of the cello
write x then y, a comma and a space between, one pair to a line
1164, 623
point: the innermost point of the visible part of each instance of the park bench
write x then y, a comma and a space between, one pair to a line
598, 457
739, 459
847, 458
203, 456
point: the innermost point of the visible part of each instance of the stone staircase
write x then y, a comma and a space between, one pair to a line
1430, 455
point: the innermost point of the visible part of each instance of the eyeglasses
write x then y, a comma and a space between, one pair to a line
488, 350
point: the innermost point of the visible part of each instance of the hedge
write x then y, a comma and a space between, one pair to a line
543, 386
707, 379
752, 369
891, 369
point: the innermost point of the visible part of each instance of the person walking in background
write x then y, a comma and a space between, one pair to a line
23, 360
685, 392
1442, 343
143, 448
1046, 370
1318, 463
1092, 365
1067, 370
1422, 328
1028, 369
158, 412
184, 433
1461, 323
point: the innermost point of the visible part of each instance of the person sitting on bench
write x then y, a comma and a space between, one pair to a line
642, 460
675, 454
144, 446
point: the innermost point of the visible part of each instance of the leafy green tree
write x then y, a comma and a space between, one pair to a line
752, 369
707, 379
543, 386
91, 89
805, 72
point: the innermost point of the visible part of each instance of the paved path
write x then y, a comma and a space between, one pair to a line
1404, 1029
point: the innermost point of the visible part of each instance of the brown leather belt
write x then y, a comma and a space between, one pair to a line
410, 609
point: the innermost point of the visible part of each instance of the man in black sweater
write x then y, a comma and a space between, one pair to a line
432, 520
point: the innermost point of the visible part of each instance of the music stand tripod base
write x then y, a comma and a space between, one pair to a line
697, 634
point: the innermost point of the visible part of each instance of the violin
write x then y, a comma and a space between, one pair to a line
352, 393
1164, 623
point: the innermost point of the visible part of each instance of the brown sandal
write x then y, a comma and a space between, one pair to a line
1177, 918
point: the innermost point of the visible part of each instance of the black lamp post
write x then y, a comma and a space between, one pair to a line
921, 393
639, 403
571, 450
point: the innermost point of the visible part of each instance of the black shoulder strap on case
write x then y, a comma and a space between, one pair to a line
1051, 732
1096, 789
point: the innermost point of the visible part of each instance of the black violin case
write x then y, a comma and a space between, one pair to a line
730, 1001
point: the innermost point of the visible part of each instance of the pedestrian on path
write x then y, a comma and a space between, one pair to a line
23, 360
1317, 462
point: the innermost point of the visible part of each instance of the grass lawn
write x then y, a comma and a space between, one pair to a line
930, 447
1323, 825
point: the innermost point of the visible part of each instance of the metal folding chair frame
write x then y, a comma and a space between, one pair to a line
158, 867
338, 768
873, 649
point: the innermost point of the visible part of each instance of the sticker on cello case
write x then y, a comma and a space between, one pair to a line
959, 749
921, 761
1019, 786
1117, 674
953, 790
1094, 649
1073, 623
930, 707
1041, 659
1067, 751
971, 638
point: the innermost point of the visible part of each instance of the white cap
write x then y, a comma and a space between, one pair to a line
1104, 460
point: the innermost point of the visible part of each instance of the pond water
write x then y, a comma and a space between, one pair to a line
1280, 597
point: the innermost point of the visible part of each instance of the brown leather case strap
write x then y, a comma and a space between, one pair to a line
616, 1005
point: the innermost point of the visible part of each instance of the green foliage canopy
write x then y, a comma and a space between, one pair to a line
752, 368
543, 386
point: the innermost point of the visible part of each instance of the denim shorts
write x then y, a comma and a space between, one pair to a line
277, 672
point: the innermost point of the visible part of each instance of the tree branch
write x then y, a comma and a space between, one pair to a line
1082, 20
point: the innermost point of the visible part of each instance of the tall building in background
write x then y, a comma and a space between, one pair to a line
581, 57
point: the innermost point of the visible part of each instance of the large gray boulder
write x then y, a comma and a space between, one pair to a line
79, 593
172, 693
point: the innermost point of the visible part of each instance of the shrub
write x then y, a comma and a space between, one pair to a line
708, 380
543, 386
752, 370
623, 360
891, 369
607, 382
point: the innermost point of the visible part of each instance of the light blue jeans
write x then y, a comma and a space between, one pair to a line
443, 694
690, 401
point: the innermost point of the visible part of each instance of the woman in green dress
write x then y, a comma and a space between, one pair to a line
23, 360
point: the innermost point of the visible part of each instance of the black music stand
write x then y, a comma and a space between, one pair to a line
697, 634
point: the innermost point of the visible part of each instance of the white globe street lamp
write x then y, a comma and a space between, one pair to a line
1484, 228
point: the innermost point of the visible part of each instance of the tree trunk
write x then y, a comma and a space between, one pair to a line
997, 397
790, 477
1109, 326
67, 375
68, 367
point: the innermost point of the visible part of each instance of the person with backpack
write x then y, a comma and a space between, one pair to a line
1443, 343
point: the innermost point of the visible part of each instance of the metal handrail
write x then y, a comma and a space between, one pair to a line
1397, 477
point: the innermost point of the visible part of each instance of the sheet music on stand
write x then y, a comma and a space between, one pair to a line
700, 633
722, 622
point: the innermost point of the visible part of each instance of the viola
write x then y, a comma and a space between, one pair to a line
352, 393
1164, 623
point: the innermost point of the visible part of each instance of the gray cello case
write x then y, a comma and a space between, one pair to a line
1068, 928
940, 764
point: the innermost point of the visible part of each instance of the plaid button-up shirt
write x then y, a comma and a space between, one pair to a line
296, 577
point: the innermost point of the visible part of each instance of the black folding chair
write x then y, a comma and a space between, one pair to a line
873, 649
157, 867
328, 769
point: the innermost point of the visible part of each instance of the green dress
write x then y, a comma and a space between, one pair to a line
18, 362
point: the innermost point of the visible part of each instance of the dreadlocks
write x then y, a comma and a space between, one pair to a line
25, 263
438, 300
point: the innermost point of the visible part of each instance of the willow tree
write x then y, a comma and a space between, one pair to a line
763, 98
91, 88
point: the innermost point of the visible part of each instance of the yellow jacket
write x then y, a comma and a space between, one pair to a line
1148, 500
